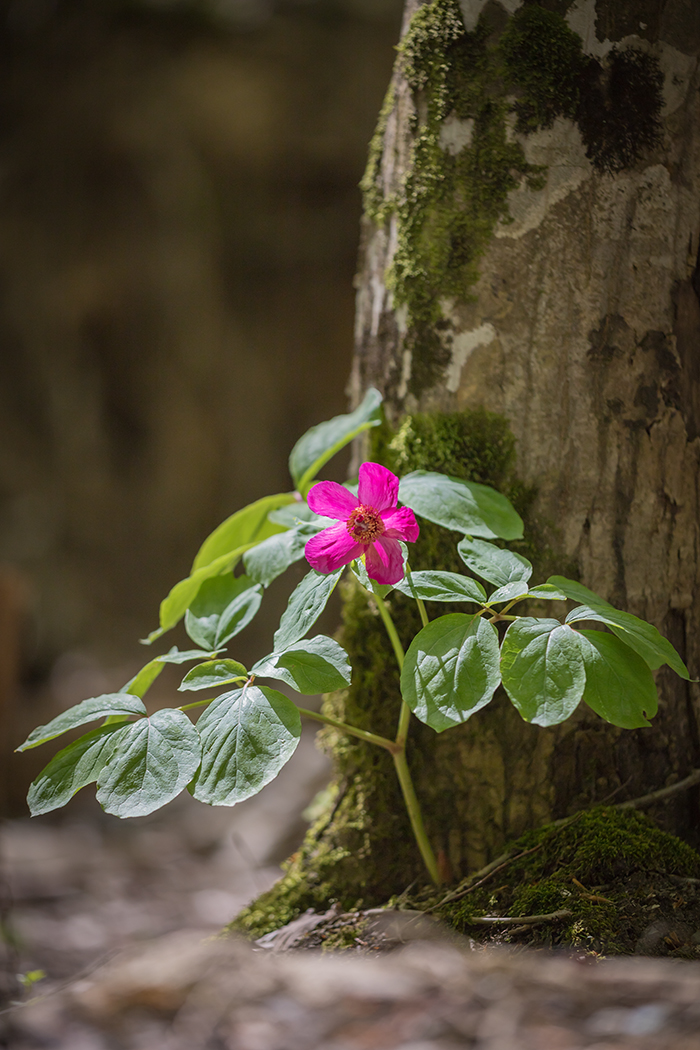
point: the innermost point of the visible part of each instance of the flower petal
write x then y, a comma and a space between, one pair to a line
400, 523
384, 561
328, 550
331, 500
377, 486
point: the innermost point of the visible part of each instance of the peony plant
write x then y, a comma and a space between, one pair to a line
247, 730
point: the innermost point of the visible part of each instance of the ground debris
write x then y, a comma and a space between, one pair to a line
181, 992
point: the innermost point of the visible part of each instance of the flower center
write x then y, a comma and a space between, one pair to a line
365, 524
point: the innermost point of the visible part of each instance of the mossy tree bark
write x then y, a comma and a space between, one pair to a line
530, 266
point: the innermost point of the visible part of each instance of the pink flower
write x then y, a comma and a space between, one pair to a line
369, 523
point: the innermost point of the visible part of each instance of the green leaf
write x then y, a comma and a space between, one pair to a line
451, 670
151, 762
517, 589
547, 592
173, 608
223, 607
269, 559
320, 443
638, 634
212, 674
463, 506
493, 564
306, 603
442, 587
247, 736
141, 682
542, 670
71, 769
87, 711
246, 526
300, 513
619, 685
315, 665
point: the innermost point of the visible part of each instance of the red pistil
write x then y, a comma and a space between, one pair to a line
365, 524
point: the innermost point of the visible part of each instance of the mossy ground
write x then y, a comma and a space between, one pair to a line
613, 869
630, 889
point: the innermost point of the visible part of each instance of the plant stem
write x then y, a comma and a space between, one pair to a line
415, 815
399, 756
197, 703
369, 738
390, 629
419, 601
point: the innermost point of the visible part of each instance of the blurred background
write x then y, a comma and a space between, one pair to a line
179, 223
179, 219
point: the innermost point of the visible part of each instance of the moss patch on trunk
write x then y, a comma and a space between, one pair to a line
524, 71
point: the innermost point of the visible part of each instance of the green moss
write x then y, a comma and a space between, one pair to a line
451, 202
593, 866
544, 59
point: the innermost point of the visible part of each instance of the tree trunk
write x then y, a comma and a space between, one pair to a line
530, 248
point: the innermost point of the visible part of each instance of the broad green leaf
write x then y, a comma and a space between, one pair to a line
141, 682
306, 603
87, 711
451, 670
320, 443
224, 606
173, 608
517, 589
300, 514
619, 685
547, 592
151, 762
638, 634
493, 564
246, 526
71, 769
269, 559
442, 587
247, 736
542, 670
464, 506
314, 665
212, 674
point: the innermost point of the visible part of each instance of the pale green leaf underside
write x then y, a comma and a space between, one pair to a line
499, 567
542, 670
247, 736
71, 769
442, 587
212, 674
268, 560
306, 603
223, 607
451, 670
87, 711
152, 760
315, 665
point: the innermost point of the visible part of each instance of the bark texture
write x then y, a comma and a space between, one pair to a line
530, 249
583, 330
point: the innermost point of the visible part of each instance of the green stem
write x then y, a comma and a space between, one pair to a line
419, 601
415, 815
399, 756
197, 703
361, 734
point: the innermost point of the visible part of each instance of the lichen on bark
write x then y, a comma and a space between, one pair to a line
526, 71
